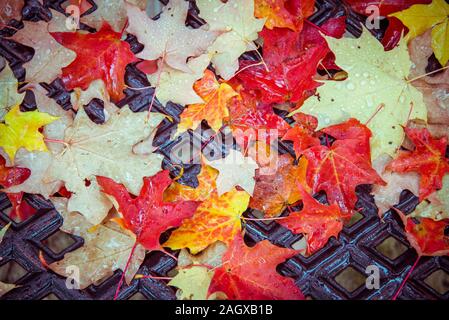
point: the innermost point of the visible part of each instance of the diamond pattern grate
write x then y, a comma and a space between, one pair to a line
317, 275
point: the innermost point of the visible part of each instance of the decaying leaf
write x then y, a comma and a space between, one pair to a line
106, 248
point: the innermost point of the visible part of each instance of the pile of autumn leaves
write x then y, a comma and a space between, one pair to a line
107, 183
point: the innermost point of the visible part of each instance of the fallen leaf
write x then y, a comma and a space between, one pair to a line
206, 185
49, 56
90, 150
106, 249
235, 19
388, 195
427, 159
100, 55
275, 191
284, 13
177, 86
168, 36
113, 12
235, 170
11, 9
147, 216
3, 231
216, 219
192, 282
21, 129
9, 96
381, 95
249, 273
436, 207
317, 221
421, 17
214, 108
338, 169
302, 139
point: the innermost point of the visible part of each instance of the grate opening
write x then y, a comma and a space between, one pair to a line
350, 279
137, 296
51, 296
391, 248
59, 241
438, 281
356, 217
12, 272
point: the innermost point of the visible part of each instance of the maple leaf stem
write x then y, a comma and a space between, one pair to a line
208, 266
142, 276
263, 219
427, 74
122, 278
380, 107
406, 278
170, 255
56, 141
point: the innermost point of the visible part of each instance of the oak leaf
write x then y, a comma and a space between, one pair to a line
106, 249
216, 219
100, 55
428, 159
381, 95
168, 36
147, 216
249, 273
214, 109
236, 19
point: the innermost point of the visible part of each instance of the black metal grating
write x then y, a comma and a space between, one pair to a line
315, 275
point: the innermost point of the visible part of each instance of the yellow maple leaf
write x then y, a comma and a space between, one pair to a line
421, 17
213, 110
216, 219
206, 185
193, 283
21, 129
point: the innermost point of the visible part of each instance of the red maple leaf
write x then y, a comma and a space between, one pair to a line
250, 273
11, 176
302, 139
428, 160
100, 55
147, 215
426, 235
253, 121
317, 221
395, 27
340, 168
292, 59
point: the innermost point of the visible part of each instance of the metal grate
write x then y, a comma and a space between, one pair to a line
321, 276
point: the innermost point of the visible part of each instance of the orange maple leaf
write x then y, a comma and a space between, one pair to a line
214, 109
216, 219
